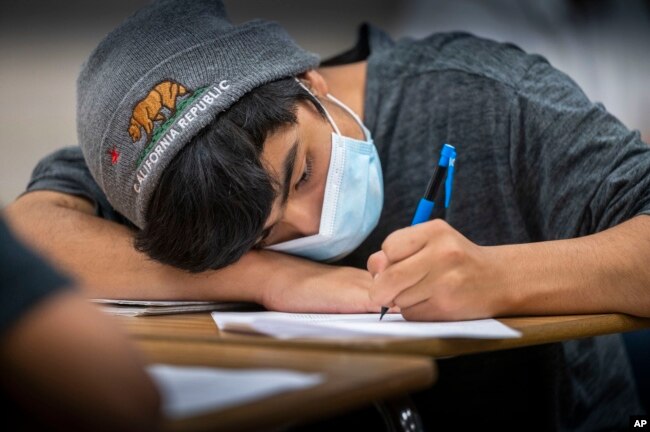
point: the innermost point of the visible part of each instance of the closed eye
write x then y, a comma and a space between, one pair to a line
306, 174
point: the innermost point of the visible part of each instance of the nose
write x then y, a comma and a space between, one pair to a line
299, 220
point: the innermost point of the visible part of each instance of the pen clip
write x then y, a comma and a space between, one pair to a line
450, 179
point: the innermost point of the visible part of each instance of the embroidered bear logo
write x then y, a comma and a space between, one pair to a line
148, 109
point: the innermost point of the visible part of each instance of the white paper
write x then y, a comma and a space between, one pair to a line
151, 302
191, 390
288, 325
164, 307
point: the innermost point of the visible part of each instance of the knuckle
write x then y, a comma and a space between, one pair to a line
456, 280
371, 264
390, 245
437, 225
399, 241
454, 255
393, 279
390, 240
393, 275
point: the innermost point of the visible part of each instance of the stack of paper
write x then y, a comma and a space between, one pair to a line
158, 307
288, 325
190, 390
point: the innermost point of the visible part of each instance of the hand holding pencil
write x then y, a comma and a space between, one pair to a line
445, 168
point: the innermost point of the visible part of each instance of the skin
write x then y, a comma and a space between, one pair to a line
91, 378
300, 216
429, 271
432, 272
100, 253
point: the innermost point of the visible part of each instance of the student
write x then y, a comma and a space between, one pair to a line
63, 365
201, 146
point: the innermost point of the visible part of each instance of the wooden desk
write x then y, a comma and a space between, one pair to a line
352, 380
536, 330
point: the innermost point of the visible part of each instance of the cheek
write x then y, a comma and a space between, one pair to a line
324, 155
311, 201
320, 178
315, 203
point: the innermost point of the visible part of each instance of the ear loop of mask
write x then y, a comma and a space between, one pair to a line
327, 114
354, 115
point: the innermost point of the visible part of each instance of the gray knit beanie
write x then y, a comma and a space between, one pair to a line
161, 76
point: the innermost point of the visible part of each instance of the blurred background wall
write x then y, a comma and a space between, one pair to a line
602, 44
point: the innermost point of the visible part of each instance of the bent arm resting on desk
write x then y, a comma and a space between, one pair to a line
432, 272
101, 255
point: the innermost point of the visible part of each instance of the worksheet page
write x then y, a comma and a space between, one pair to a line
294, 325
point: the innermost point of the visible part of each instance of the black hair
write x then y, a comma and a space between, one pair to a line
213, 199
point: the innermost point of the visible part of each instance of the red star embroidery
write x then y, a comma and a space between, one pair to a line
115, 155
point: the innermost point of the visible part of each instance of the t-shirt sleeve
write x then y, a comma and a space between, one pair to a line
576, 169
25, 279
66, 171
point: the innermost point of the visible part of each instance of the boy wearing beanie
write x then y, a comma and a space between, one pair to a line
237, 164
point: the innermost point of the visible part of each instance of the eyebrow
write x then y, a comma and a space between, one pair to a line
287, 169
287, 172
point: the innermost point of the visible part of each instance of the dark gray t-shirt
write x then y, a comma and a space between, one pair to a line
536, 161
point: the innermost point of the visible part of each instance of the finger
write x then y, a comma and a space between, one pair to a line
424, 289
420, 312
405, 242
435, 309
377, 263
397, 277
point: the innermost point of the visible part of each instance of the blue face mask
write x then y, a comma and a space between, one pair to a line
352, 202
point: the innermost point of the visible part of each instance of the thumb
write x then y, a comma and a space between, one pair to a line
377, 263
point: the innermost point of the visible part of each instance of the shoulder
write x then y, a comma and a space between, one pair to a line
66, 171
63, 165
453, 54
64, 158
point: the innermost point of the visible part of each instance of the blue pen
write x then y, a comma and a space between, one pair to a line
425, 207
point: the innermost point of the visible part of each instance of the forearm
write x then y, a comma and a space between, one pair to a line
604, 272
100, 254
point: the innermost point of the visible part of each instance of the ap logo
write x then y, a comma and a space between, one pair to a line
639, 422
